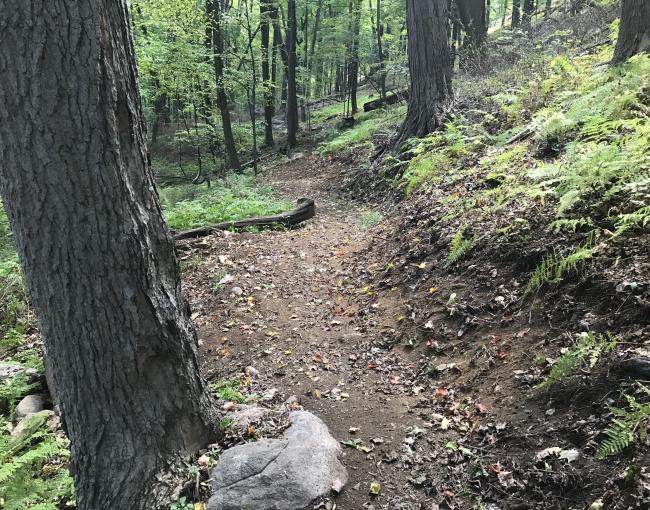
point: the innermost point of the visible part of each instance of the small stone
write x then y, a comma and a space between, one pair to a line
11, 370
237, 291
639, 366
252, 372
29, 405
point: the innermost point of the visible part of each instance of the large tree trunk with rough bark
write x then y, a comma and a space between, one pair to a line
429, 66
527, 13
292, 58
213, 10
98, 259
516, 13
634, 31
472, 16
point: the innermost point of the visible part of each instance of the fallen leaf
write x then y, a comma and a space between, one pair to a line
375, 488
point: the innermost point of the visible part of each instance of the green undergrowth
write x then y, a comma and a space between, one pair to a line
582, 157
234, 198
366, 127
34, 468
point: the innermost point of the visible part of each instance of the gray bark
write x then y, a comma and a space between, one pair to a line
429, 66
292, 94
634, 32
98, 259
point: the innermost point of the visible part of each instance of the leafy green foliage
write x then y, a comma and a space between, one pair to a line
459, 246
371, 218
181, 504
231, 199
628, 425
228, 389
553, 267
586, 352
33, 468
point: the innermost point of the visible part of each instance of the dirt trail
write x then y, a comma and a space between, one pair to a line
305, 322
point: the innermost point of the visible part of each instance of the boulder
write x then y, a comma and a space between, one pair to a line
280, 474
33, 422
245, 415
29, 405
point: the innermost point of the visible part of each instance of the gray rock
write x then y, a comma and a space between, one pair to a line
29, 405
10, 370
32, 422
279, 474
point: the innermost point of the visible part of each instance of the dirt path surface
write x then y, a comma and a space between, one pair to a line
295, 310
427, 377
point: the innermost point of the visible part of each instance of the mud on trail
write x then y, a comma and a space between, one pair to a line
308, 317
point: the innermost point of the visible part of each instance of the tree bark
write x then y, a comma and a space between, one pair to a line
267, 85
213, 10
527, 13
353, 51
429, 66
516, 14
634, 31
472, 16
98, 258
292, 97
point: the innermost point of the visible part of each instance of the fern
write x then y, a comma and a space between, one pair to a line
637, 219
586, 352
629, 425
33, 472
553, 268
459, 246
571, 225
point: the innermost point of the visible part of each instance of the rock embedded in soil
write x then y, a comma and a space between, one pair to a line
280, 474
29, 405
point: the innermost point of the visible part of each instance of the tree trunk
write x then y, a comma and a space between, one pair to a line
353, 63
98, 258
279, 47
213, 11
472, 16
548, 8
527, 14
634, 31
267, 86
516, 14
292, 99
429, 66
380, 52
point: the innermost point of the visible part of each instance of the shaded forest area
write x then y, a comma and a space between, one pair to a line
466, 306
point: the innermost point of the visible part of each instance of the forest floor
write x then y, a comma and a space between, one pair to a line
301, 318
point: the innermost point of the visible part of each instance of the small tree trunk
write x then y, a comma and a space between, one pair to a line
516, 14
353, 51
98, 258
634, 31
429, 65
292, 98
213, 10
548, 7
267, 86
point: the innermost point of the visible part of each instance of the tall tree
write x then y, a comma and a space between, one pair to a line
472, 16
267, 85
98, 258
516, 13
429, 66
214, 13
292, 97
634, 31
353, 53
527, 13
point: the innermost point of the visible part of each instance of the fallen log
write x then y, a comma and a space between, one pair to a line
304, 210
393, 98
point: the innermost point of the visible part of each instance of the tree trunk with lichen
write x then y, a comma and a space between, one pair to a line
98, 258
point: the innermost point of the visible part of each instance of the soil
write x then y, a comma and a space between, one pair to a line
427, 375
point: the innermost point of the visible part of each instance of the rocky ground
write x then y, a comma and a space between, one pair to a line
435, 413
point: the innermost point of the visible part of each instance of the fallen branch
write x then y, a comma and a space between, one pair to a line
304, 210
521, 136
393, 98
